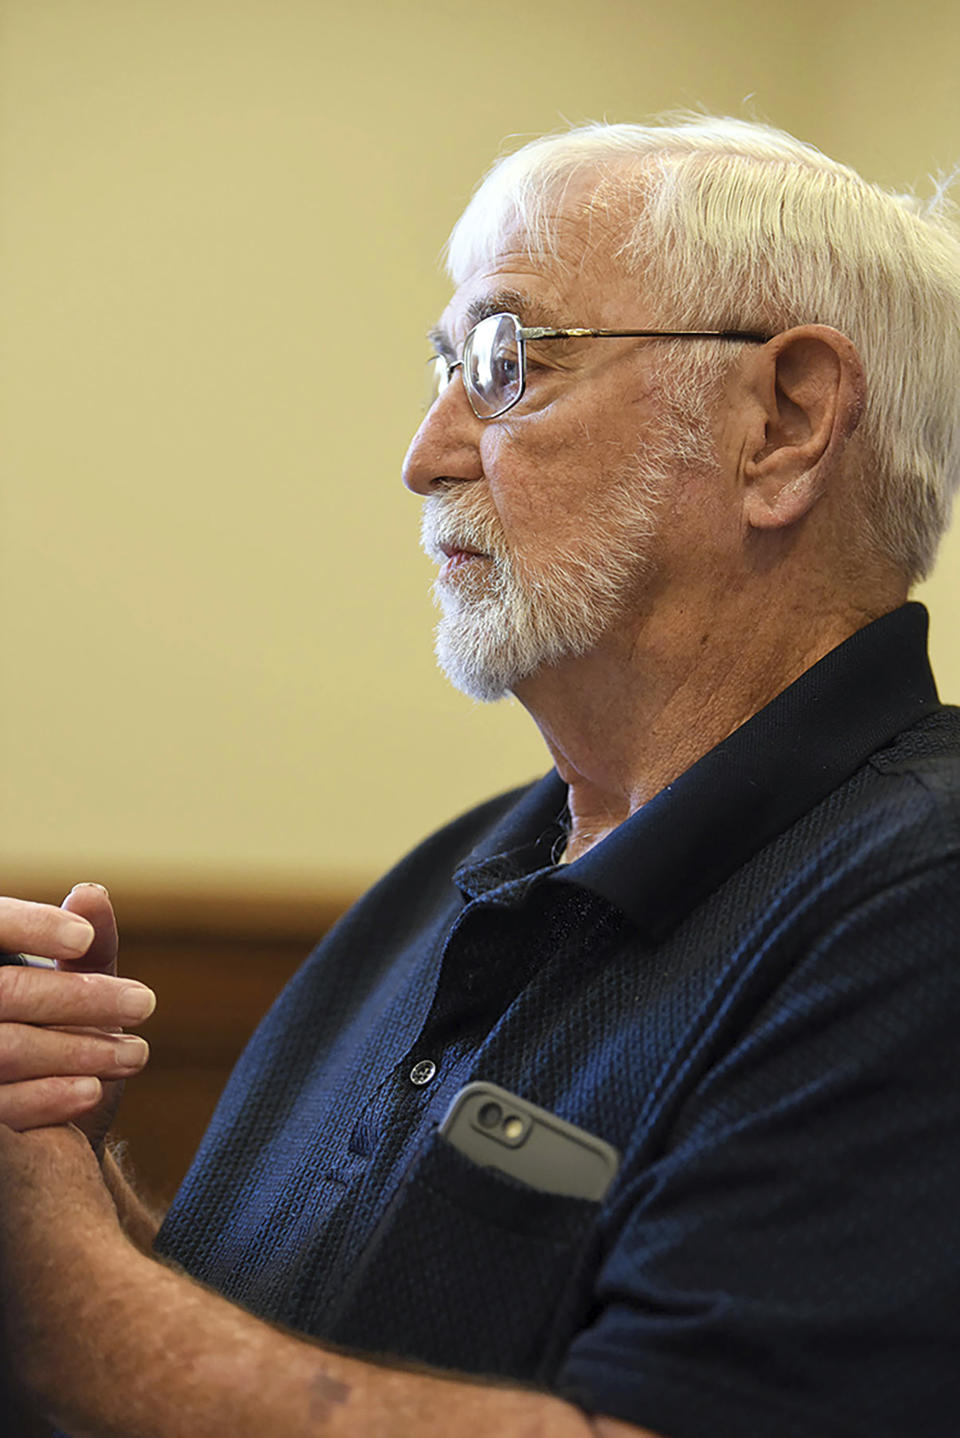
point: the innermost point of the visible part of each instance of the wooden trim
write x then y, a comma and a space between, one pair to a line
241, 909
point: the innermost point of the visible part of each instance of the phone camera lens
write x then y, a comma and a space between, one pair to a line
490, 1115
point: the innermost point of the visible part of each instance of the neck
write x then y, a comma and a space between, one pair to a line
625, 720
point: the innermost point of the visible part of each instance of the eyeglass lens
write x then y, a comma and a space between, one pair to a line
492, 366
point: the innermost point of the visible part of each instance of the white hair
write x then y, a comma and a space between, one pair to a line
733, 224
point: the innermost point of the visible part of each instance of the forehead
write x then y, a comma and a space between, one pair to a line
579, 283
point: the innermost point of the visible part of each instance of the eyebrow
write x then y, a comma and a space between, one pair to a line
529, 311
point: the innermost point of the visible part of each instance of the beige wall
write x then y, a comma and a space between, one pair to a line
219, 224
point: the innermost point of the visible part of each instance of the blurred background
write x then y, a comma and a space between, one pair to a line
220, 230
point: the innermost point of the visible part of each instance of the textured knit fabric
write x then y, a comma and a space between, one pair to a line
751, 989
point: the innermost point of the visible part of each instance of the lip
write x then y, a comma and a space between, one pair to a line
457, 555
451, 548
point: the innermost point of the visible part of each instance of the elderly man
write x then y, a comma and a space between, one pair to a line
696, 432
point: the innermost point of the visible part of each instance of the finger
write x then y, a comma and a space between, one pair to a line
51, 996
28, 1052
43, 929
49, 1100
92, 903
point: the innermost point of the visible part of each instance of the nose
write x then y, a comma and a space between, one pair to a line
447, 444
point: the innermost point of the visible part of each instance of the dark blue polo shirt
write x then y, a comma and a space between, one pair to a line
751, 989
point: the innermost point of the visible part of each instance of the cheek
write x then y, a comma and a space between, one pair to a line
540, 474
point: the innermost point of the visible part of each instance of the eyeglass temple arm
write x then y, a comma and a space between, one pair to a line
539, 332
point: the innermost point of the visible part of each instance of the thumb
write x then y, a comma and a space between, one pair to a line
92, 902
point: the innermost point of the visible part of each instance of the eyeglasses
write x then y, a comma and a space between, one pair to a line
494, 361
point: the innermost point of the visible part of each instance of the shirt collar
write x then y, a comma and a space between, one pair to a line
683, 843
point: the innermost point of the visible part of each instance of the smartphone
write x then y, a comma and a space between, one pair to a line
497, 1129
30, 961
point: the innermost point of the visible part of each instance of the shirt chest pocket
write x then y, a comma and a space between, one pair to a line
472, 1271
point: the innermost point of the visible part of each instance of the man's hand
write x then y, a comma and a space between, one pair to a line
62, 1058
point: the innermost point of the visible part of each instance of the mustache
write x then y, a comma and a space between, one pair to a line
460, 522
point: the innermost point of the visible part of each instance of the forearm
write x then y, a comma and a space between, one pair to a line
139, 1221
154, 1354
110, 1343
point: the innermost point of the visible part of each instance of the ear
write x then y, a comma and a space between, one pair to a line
805, 397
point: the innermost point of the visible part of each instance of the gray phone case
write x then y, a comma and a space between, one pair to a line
496, 1129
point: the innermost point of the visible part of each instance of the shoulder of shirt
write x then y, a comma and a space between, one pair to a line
897, 818
922, 767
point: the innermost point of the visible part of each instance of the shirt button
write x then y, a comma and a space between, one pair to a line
423, 1071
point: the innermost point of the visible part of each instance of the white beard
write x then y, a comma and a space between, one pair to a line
502, 622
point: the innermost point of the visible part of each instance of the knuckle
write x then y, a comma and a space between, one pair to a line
20, 920
60, 1091
40, 1055
37, 1102
45, 1092
11, 1052
13, 981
